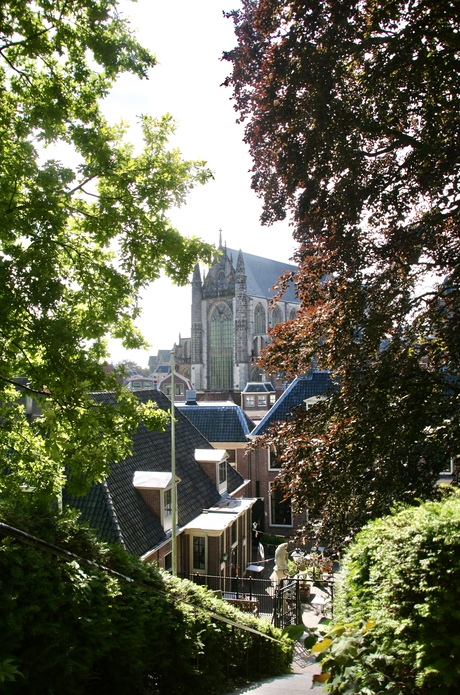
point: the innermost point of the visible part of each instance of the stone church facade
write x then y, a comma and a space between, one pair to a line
231, 317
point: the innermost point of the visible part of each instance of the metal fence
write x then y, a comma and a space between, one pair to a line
281, 603
241, 591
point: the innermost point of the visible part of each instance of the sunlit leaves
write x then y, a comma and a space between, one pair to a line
84, 227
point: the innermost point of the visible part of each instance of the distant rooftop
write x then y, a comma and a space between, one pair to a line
303, 388
258, 387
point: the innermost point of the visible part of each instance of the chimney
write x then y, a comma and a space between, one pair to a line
190, 398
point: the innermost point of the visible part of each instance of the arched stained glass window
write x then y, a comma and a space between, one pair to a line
221, 348
292, 314
259, 320
277, 316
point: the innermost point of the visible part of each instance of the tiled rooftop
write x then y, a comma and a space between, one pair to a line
116, 509
314, 384
218, 423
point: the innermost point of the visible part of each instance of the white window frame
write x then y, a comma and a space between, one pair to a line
271, 454
450, 470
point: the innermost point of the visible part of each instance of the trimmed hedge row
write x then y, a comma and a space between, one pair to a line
71, 629
403, 572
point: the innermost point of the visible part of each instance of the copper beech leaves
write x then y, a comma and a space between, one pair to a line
352, 112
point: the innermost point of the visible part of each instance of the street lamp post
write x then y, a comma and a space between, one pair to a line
173, 472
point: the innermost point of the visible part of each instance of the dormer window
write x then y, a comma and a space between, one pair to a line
214, 463
156, 491
309, 402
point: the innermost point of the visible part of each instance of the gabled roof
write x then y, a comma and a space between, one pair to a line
303, 387
116, 509
218, 423
262, 274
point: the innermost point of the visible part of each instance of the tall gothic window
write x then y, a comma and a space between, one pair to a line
292, 314
221, 348
277, 316
259, 320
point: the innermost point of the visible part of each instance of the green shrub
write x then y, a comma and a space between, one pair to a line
403, 571
70, 628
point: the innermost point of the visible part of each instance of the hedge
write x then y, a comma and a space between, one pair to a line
68, 628
403, 573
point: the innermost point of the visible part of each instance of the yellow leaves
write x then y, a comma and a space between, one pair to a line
368, 626
321, 646
321, 677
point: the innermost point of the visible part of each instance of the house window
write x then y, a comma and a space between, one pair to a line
449, 469
179, 388
167, 501
273, 462
234, 529
250, 401
199, 553
261, 401
280, 508
167, 509
222, 476
168, 562
167, 389
231, 457
136, 384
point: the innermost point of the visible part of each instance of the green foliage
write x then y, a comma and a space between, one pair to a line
352, 120
403, 571
71, 627
84, 228
8, 671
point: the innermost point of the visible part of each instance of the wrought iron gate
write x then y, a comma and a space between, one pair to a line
287, 608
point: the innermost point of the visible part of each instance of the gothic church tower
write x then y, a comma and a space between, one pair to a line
231, 311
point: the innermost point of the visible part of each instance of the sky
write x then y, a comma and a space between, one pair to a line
188, 39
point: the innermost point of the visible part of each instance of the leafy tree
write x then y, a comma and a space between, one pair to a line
129, 366
352, 113
84, 228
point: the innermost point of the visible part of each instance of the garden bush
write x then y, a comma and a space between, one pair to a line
68, 627
402, 572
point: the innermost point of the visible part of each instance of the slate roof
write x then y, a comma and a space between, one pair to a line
116, 509
219, 423
314, 384
262, 274
259, 387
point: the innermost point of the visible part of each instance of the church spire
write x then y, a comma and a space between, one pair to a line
196, 275
240, 268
